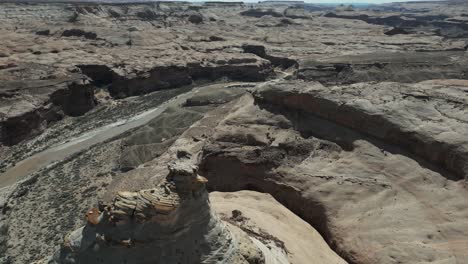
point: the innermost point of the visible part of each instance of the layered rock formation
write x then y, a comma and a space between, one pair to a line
335, 164
242, 67
264, 218
133, 49
394, 113
171, 223
437, 17
397, 67
27, 107
334, 112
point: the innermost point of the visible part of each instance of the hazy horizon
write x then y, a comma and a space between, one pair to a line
363, 1
326, 1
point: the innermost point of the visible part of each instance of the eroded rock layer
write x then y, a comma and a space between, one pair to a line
27, 107
397, 114
354, 118
331, 163
171, 223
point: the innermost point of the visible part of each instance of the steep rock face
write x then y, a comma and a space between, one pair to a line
258, 50
260, 13
296, 13
373, 202
40, 102
264, 217
277, 61
100, 74
120, 85
398, 67
76, 100
438, 24
395, 113
171, 223
239, 69
158, 78
348, 183
195, 18
17, 128
79, 33
396, 31
271, 235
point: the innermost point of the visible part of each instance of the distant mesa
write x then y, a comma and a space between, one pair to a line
222, 4
287, 3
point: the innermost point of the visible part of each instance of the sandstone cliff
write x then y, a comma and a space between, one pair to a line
171, 223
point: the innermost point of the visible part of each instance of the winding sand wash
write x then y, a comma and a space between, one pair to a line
65, 149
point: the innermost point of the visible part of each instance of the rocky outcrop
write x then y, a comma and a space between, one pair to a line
276, 61
101, 75
242, 68
239, 69
296, 13
76, 100
396, 31
322, 152
394, 20
411, 22
146, 14
377, 168
40, 103
264, 218
79, 33
195, 19
25, 125
258, 50
45, 32
158, 78
171, 223
260, 13
426, 129
401, 67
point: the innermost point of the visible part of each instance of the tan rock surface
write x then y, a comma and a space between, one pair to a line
377, 168
302, 242
171, 223
372, 200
